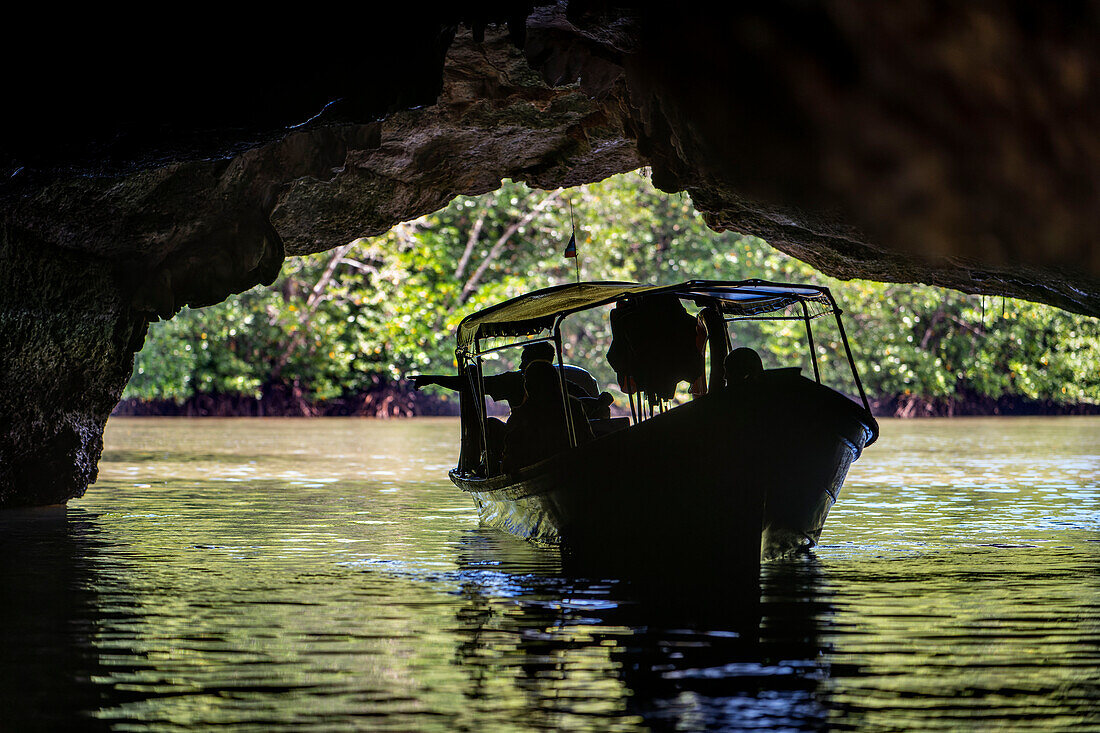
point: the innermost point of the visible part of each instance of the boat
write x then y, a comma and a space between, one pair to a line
737, 473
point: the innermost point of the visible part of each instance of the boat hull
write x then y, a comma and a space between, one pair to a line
824, 433
710, 486
653, 500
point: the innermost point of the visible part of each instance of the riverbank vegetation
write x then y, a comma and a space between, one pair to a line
339, 331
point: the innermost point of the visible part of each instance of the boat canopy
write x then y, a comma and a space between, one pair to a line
539, 311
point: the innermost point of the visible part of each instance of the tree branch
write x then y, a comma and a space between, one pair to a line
312, 302
498, 247
475, 234
932, 323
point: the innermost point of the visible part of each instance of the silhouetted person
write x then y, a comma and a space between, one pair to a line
741, 366
537, 428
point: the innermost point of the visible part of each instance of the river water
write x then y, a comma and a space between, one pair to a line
324, 575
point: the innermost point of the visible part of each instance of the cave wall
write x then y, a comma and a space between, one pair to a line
68, 353
949, 144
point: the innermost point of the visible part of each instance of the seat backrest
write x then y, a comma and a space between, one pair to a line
582, 380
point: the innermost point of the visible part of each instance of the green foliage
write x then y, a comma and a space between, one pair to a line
389, 306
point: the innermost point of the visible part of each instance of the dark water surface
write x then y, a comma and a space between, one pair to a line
324, 575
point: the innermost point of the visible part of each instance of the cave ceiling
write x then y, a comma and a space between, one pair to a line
953, 144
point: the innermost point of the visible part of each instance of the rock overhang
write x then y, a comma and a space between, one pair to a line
948, 145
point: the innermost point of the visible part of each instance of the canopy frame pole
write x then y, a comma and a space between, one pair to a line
466, 406
810, 340
564, 387
516, 345
848, 351
482, 409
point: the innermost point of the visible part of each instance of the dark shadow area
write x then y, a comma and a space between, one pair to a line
48, 620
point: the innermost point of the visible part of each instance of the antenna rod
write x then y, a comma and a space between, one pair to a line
573, 238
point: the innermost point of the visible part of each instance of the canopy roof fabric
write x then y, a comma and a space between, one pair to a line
537, 311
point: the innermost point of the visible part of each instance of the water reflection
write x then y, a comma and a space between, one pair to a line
589, 650
234, 582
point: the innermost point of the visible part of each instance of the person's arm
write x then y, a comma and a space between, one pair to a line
447, 381
506, 386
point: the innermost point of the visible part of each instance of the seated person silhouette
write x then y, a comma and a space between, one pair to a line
537, 428
742, 366
508, 386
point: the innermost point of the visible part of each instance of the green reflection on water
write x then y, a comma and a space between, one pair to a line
292, 574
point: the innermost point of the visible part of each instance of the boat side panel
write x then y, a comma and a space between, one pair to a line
654, 498
668, 496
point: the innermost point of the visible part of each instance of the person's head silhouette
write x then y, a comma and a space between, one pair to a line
542, 351
741, 365
540, 381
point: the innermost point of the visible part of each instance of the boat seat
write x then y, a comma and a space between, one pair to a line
580, 381
608, 425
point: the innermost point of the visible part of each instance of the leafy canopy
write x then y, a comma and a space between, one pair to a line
336, 322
